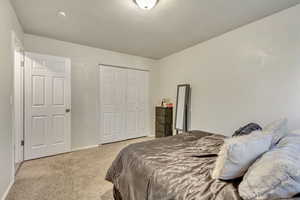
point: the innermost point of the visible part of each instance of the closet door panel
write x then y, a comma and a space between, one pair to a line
107, 104
142, 104
120, 104
112, 95
131, 109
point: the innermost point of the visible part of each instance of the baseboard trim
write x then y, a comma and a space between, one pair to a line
84, 148
7, 190
98, 145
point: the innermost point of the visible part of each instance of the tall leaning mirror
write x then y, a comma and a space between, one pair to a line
181, 116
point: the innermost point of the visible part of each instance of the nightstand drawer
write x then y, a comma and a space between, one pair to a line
163, 134
163, 128
159, 134
163, 120
163, 111
160, 127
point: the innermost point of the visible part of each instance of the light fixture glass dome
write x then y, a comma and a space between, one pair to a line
146, 4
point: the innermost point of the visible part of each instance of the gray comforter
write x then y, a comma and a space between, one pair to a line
173, 168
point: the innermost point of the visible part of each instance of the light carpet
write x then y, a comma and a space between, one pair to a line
72, 176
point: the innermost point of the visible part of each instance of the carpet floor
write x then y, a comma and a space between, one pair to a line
71, 176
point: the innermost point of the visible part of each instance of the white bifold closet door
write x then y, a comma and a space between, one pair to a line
124, 104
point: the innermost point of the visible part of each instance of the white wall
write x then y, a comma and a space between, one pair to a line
84, 81
8, 22
251, 74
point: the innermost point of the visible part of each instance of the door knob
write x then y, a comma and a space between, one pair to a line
68, 110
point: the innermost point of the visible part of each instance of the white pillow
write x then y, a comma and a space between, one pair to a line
238, 153
276, 174
278, 129
295, 132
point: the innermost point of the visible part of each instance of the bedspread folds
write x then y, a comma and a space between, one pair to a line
177, 167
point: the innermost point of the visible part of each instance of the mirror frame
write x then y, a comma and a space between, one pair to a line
185, 113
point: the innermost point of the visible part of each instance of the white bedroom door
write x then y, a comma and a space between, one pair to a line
47, 105
112, 94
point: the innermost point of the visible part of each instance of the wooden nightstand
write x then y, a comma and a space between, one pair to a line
163, 122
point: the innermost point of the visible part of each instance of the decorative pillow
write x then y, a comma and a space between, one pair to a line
278, 128
276, 174
238, 153
295, 131
246, 130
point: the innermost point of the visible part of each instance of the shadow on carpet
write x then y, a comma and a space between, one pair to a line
107, 195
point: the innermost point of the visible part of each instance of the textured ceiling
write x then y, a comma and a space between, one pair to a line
119, 25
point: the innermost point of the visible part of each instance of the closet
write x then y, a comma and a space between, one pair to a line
124, 103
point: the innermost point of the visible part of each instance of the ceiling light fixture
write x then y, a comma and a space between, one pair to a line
62, 13
146, 4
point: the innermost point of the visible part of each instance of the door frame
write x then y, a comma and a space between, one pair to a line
17, 98
99, 109
27, 106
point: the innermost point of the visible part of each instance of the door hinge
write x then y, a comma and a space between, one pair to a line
22, 143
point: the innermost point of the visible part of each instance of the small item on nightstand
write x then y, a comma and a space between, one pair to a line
169, 105
166, 103
163, 102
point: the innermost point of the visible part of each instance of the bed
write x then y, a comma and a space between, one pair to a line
175, 167
172, 168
